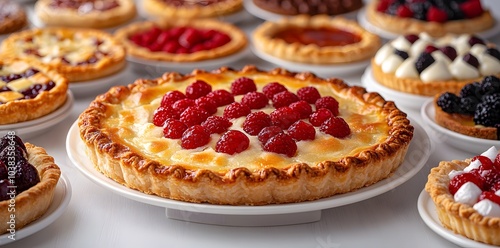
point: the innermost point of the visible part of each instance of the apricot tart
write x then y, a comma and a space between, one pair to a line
28, 178
303, 7
244, 137
29, 91
12, 17
182, 40
186, 9
77, 54
85, 13
466, 195
419, 64
436, 18
316, 40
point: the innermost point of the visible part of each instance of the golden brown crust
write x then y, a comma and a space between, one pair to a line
33, 202
241, 186
159, 9
15, 21
264, 40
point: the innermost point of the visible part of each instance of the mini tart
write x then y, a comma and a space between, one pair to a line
12, 17
124, 145
184, 9
82, 14
305, 46
32, 203
15, 108
301, 7
458, 217
398, 25
77, 54
237, 43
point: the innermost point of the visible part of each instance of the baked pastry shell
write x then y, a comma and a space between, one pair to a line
14, 22
158, 9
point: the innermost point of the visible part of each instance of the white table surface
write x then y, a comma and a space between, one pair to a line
97, 217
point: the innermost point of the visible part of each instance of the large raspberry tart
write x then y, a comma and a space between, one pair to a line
185, 9
302, 7
12, 17
244, 137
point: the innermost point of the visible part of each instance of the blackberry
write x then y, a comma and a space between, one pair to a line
493, 52
402, 54
487, 114
449, 102
468, 105
491, 84
491, 98
393, 9
423, 61
419, 10
473, 89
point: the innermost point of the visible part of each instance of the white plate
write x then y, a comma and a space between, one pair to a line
402, 99
97, 86
428, 213
62, 195
320, 70
458, 140
416, 157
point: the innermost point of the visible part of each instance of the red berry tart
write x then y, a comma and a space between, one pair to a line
12, 17
188, 9
273, 137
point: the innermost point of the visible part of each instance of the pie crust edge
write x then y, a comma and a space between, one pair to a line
162, 10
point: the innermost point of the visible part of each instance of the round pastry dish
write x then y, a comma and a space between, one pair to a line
301, 7
457, 17
29, 91
174, 9
12, 17
35, 186
77, 54
182, 40
85, 14
316, 40
244, 153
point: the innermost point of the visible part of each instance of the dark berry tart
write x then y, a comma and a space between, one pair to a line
304, 7
189, 9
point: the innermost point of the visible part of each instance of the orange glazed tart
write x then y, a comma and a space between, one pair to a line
245, 137
185, 9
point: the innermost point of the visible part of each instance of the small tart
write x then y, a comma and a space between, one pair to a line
301, 7
77, 54
85, 14
29, 91
175, 9
32, 203
316, 40
142, 40
124, 145
12, 17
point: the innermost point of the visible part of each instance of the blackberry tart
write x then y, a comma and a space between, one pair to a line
12, 17
186, 9
303, 7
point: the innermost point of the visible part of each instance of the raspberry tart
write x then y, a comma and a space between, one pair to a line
32, 186
316, 40
185, 9
421, 65
302, 7
77, 54
12, 17
436, 18
244, 137
85, 13
466, 195
182, 40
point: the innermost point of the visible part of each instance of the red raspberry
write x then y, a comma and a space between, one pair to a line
162, 113
284, 99
457, 182
182, 105
194, 137
430, 49
404, 11
242, 86
221, 97
336, 127
216, 124
207, 103
384, 5
435, 14
268, 132
301, 130
321, 115
193, 115
235, 110
308, 94
303, 108
282, 144
284, 117
329, 103
273, 88
472, 8
231, 142
497, 161
254, 100
255, 122
172, 96
173, 129
198, 89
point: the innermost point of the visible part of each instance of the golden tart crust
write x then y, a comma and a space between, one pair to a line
238, 40
161, 9
77, 45
69, 17
399, 25
14, 111
14, 20
32, 203
265, 41
458, 217
114, 121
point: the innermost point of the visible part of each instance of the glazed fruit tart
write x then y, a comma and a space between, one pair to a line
182, 40
12, 17
317, 40
186, 9
245, 137
466, 195
30, 189
302, 7
77, 54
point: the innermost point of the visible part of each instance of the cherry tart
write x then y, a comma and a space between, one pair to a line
28, 178
245, 137
12, 16
29, 91
77, 54
186, 9
85, 13
303, 7
182, 40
